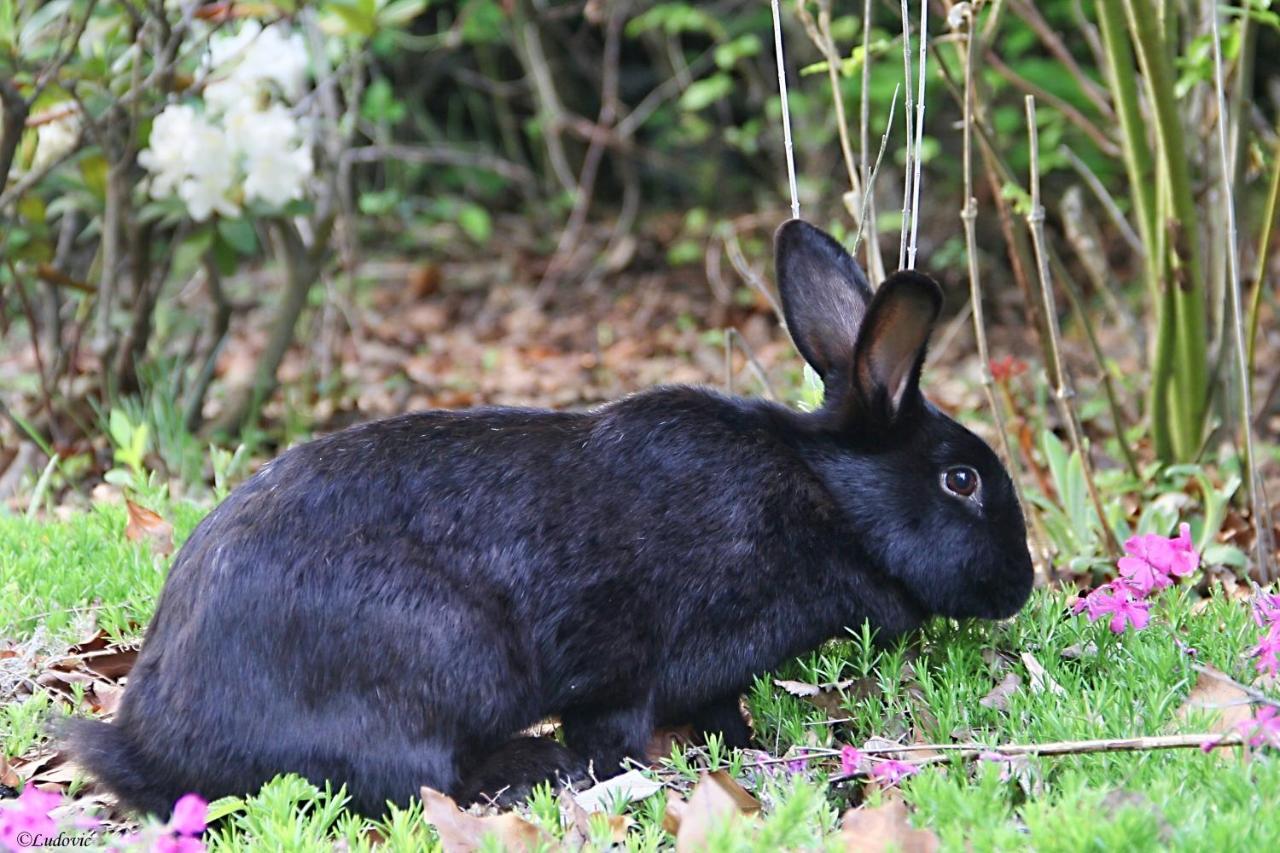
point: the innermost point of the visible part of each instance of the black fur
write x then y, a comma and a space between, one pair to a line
387, 606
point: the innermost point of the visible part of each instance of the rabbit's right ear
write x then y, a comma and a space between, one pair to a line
824, 297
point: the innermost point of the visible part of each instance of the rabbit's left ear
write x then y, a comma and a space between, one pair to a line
892, 342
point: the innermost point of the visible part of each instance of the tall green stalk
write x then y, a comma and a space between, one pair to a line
1179, 391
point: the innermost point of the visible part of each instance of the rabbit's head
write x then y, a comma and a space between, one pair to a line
928, 501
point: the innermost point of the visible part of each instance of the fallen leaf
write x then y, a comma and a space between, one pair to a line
1218, 697
461, 832
8, 776
828, 697
884, 828
999, 696
147, 526
632, 786
716, 798
673, 816
664, 739
1041, 680
579, 821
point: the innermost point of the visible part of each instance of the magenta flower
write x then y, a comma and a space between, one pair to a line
188, 816
1153, 560
1268, 651
797, 765
1263, 728
1266, 610
850, 760
1005, 762
28, 816
1119, 601
893, 771
177, 844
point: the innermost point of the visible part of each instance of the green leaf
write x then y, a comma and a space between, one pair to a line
476, 222
239, 234
32, 208
188, 254
350, 17
397, 13
704, 92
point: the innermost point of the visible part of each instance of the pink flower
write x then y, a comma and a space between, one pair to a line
188, 816
177, 844
797, 765
893, 771
1266, 610
1263, 728
28, 816
850, 760
1005, 762
1121, 602
1268, 651
1154, 558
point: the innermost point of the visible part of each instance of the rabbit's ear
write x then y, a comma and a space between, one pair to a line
892, 342
824, 297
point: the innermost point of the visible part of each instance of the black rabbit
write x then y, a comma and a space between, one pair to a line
387, 606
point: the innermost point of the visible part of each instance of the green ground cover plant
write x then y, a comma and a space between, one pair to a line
1046, 676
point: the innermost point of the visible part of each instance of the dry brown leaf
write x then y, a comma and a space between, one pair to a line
999, 696
8, 776
147, 526
461, 832
1220, 699
1041, 680
828, 697
715, 799
884, 828
632, 786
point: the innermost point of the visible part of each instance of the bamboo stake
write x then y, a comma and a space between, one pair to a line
786, 110
915, 178
1062, 391
906, 172
1257, 500
875, 261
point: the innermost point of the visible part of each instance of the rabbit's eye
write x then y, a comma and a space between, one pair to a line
961, 481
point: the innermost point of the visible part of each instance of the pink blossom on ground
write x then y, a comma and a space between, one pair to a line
1267, 652
797, 765
28, 815
893, 771
1263, 729
1119, 601
188, 816
1005, 762
850, 760
177, 844
1266, 610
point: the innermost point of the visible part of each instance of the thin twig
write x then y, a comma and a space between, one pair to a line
969, 215
1058, 371
1257, 500
1252, 692
915, 178
875, 261
868, 203
786, 110
1105, 199
906, 175
732, 336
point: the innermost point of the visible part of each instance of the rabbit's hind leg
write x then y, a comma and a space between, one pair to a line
607, 736
506, 776
381, 776
723, 717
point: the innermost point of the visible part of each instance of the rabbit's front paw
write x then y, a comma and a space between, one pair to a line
608, 737
723, 717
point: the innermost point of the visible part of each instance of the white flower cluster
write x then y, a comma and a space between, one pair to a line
245, 145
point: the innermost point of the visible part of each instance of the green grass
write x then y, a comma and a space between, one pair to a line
928, 687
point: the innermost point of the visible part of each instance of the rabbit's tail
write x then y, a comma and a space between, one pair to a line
509, 774
110, 755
